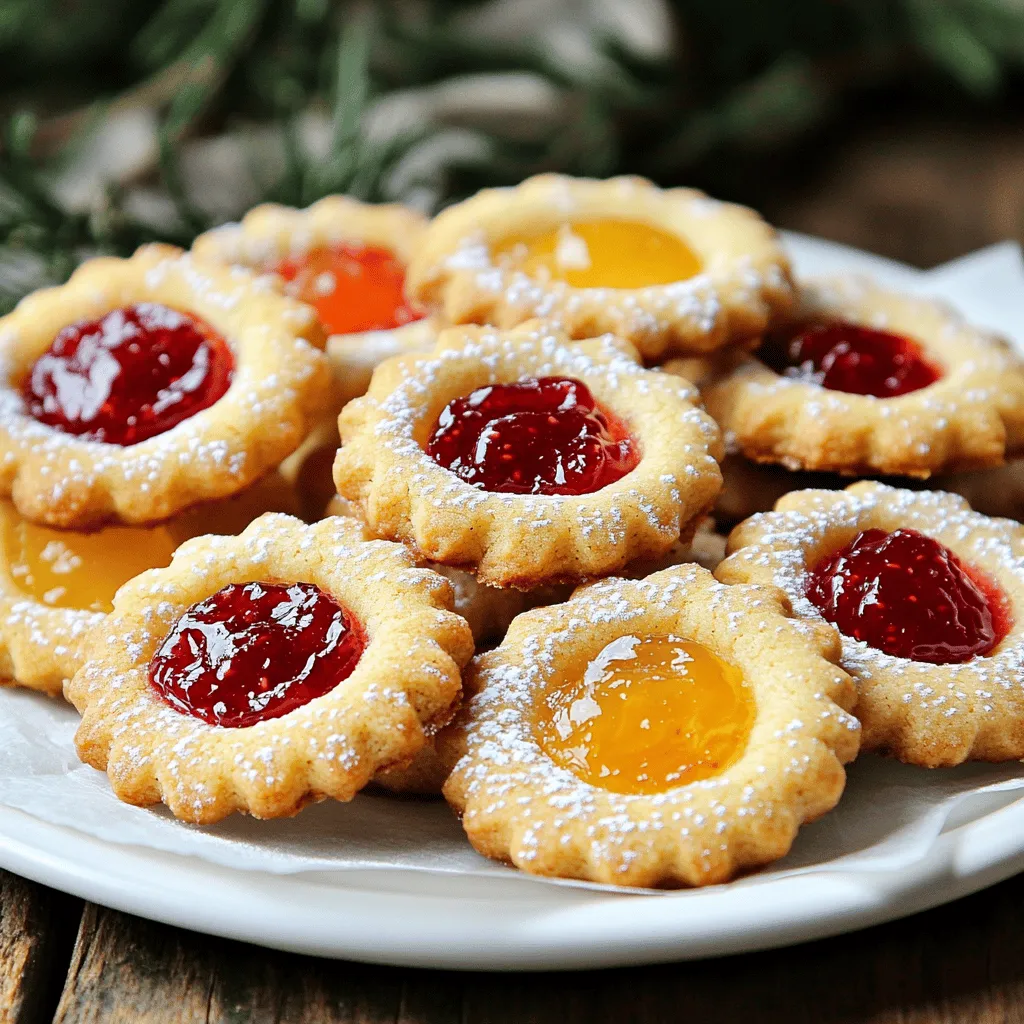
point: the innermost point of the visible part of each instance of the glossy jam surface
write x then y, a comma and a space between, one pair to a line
83, 571
907, 595
255, 651
537, 436
648, 715
135, 373
858, 360
352, 287
607, 253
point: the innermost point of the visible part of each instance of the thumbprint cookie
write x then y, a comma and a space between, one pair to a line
658, 732
926, 594
261, 672
526, 458
146, 385
671, 270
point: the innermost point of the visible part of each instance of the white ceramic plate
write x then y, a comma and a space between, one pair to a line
496, 919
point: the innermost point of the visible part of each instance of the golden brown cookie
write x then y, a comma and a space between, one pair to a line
310, 470
706, 548
345, 258
526, 458
751, 487
927, 596
144, 386
260, 672
569, 758
868, 382
488, 610
671, 270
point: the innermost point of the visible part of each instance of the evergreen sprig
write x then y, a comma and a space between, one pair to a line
736, 78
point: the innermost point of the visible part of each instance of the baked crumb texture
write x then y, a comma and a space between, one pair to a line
41, 645
972, 417
270, 233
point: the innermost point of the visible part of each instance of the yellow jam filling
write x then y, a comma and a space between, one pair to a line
64, 569
609, 253
648, 715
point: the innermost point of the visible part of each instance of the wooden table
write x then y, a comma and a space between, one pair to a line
923, 193
954, 965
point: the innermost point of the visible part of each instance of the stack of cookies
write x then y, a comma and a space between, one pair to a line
506, 430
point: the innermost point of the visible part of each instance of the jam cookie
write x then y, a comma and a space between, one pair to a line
671, 270
56, 585
526, 458
178, 702
925, 593
867, 381
347, 260
146, 385
488, 610
706, 548
310, 470
750, 487
666, 731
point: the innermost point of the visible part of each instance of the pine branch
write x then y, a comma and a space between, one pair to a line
735, 78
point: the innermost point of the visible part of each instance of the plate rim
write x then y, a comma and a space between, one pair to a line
560, 932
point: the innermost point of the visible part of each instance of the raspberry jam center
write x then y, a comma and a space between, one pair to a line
64, 569
135, 373
858, 360
352, 287
537, 436
255, 651
608, 253
908, 595
648, 715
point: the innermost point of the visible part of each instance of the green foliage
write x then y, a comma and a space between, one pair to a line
736, 78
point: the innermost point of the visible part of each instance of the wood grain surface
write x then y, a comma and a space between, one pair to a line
920, 192
960, 964
37, 927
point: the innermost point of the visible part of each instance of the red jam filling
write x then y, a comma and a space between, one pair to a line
135, 373
256, 651
858, 360
537, 436
352, 287
907, 595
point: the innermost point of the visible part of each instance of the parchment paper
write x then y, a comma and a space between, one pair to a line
888, 819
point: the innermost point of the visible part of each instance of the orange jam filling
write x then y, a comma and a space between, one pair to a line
352, 287
609, 253
648, 715
83, 571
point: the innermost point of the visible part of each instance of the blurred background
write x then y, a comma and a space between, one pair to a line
894, 125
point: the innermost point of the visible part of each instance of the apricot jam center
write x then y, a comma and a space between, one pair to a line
610, 253
352, 287
135, 373
908, 595
82, 571
648, 715
858, 360
542, 435
255, 651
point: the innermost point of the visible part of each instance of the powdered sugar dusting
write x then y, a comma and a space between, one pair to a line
506, 776
787, 544
331, 745
279, 379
